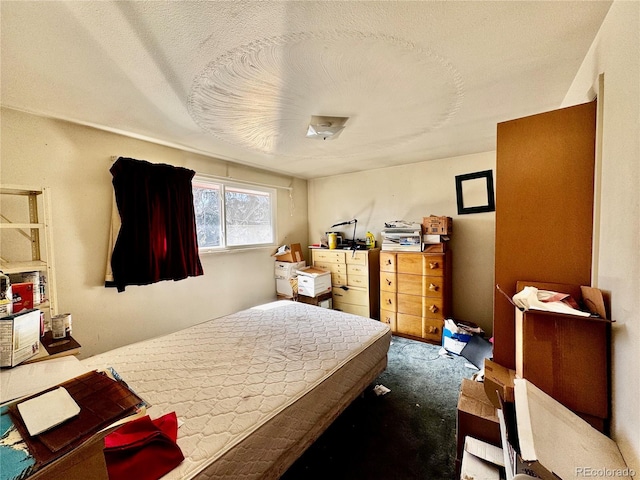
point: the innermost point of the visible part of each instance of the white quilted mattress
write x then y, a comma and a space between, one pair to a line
254, 388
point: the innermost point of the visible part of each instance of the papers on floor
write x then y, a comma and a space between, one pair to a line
48, 410
381, 390
32, 378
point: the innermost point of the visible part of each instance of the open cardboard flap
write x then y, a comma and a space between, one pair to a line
592, 298
556, 443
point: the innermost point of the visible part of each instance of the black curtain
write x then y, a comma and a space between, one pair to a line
157, 239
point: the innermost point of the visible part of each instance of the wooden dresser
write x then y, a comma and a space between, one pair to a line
415, 293
354, 279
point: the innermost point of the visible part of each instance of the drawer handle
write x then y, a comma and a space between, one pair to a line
389, 301
434, 265
433, 330
433, 287
433, 308
389, 282
387, 320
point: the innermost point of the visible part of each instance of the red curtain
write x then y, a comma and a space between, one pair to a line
157, 239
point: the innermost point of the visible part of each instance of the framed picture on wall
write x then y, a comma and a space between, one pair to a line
474, 192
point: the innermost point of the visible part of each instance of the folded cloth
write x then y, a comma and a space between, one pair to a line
143, 449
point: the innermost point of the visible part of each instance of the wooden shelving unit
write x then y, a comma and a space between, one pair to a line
35, 229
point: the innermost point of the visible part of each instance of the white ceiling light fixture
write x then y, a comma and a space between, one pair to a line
325, 128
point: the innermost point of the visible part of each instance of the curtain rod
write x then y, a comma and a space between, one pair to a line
245, 182
229, 179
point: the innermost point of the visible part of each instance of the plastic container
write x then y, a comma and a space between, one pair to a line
371, 240
332, 239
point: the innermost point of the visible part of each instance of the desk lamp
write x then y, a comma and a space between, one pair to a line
355, 224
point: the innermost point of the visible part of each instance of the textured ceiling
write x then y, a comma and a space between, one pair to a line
240, 80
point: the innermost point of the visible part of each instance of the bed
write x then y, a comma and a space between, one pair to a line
254, 388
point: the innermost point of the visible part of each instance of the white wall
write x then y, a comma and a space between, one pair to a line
411, 192
74, 162
616, 54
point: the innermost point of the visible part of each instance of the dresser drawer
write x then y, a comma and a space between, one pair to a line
388, 301
356, 269
387, 262
409, 325
332, 267
421, 306
388, 282
389, 318
432, 329
427, 328
338, 279
362, 310
358, 281
353, 295
420, 285
356, 258
328, 256
421, 264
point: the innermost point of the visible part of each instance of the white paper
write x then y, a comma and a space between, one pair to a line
485, 451
32, 378
381, 390
474, 468
529, 298
48, 410
507, 451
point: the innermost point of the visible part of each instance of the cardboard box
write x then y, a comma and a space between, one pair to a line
433, 225
291, 253
287, 270
287, 287
498, 381
313, 281
19, 337
22, 296
567, 356
477, 417
30, 277
480, 461
549, 441
434, 247
454, 342
83, 463
6, 296
6, 308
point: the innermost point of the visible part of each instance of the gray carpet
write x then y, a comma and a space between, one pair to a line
408, 433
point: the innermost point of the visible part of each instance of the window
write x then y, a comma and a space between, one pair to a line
232, 215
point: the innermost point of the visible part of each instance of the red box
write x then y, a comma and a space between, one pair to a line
22, 296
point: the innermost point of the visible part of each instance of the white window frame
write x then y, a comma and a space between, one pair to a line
223, 185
